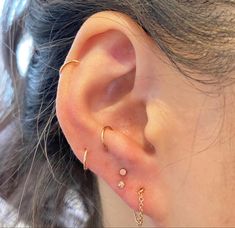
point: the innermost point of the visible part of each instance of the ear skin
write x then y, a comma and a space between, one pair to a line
103, 90
112, 57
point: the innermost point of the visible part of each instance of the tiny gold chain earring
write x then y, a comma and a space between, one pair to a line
139, 216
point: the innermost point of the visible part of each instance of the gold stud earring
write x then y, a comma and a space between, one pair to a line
139, 215
121, 183
123, 172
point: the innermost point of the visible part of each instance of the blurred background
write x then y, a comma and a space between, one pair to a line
23, 54
7, 215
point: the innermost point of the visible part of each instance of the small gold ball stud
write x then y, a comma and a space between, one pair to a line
122, 172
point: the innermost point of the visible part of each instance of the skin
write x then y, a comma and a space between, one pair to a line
174, 138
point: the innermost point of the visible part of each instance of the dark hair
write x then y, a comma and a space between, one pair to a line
37, 165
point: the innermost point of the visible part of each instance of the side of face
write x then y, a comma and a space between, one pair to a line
168, 134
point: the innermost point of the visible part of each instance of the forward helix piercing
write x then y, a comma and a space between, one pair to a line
67, 63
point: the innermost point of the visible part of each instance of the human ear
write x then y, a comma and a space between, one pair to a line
110, 87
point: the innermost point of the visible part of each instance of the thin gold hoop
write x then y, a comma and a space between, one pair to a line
67, 63
102, 136
84, 159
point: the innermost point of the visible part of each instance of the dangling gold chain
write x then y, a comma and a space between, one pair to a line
139, 216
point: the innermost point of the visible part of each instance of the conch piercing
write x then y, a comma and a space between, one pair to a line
102, 136
67, 63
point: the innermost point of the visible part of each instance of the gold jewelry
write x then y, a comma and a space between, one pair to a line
139, 216
123, 172
102, 136
84, 159
121, 183
67, 63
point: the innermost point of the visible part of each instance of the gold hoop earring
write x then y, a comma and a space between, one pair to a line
85, 159
67, 63
139, 216
102, 136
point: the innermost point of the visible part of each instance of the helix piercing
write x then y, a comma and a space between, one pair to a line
67, 63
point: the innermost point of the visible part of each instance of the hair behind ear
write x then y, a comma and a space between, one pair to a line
37, 166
